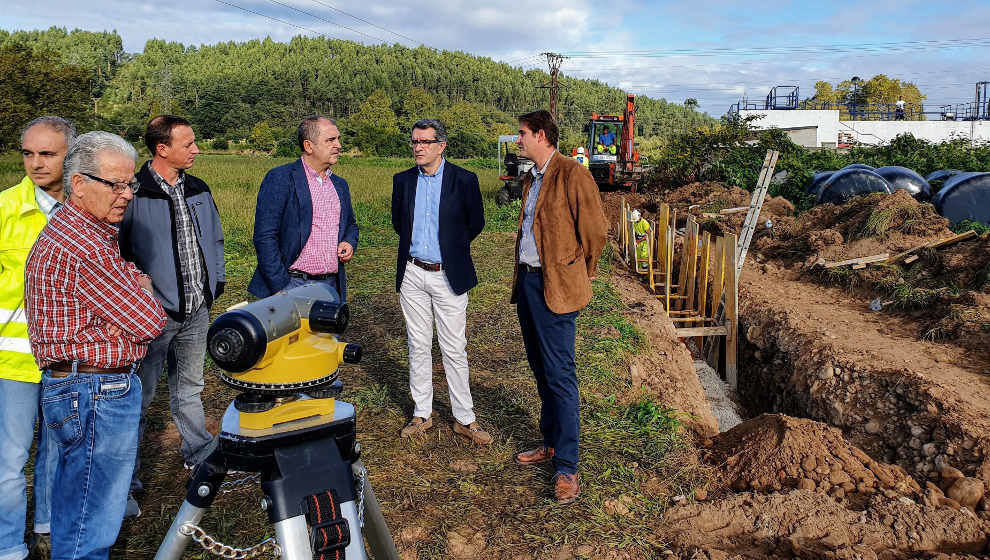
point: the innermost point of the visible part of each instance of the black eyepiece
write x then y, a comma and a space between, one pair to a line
352, 353
329, 317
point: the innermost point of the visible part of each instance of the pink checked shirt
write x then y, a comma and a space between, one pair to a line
319, 255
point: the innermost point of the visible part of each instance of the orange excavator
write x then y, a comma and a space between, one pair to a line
614, 161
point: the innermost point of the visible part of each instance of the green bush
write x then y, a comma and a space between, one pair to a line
220, 144
732, 152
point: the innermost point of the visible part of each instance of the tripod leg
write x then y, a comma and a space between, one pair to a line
380, 542
293, 536
175, 542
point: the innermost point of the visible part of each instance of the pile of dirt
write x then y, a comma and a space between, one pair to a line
805, 524
864, 226
711, 196
774, 452
947, 289
705, 200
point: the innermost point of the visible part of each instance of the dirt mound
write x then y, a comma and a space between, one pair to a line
709, 195
805, 524
866, 225
774, 452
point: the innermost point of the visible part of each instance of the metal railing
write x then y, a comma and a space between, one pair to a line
971, 111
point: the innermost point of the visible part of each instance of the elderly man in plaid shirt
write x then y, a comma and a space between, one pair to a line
91, 316
171, 231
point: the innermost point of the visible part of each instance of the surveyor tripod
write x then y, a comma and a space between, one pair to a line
315, 489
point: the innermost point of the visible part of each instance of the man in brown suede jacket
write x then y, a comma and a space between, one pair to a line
562, 231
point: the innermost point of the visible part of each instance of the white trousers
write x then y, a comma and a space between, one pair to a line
423, 296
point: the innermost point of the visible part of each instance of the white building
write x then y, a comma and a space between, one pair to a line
818, 129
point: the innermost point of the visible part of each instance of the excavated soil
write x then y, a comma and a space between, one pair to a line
774, 452
666, 369
899, 464
804, 524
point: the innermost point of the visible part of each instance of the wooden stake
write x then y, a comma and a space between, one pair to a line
706, 240
731, 310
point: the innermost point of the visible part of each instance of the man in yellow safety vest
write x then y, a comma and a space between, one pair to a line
25, 208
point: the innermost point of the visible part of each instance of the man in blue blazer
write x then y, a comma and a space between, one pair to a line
437, 211
304, 227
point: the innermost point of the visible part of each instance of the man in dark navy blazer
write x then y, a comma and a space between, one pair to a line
437, 211
304, 227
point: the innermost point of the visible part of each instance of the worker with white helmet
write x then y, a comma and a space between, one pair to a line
580, 157
641, 227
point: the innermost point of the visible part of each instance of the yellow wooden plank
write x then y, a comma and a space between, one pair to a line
688, 332
706, 240
731, 312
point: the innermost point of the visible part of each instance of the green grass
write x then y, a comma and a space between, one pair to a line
630, 444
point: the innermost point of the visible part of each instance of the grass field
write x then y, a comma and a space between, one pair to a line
442, 497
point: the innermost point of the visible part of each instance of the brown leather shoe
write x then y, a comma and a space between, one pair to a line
416, 426
534, 456
472, 432
565, 487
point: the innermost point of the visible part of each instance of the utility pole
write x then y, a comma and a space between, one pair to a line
553, 62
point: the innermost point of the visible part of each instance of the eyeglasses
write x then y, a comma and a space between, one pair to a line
414, 143
117, 188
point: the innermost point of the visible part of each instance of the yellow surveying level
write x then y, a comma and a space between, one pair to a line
283, 354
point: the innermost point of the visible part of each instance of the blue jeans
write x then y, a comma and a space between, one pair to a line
182, 347
330, 283
19, 405
94, 420
549, 341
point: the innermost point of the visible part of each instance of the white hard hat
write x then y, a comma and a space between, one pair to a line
580, 149
634, 216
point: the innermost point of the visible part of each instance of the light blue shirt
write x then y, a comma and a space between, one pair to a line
527, 245
46, 202
425, 243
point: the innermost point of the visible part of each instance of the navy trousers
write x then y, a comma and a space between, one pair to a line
549, 341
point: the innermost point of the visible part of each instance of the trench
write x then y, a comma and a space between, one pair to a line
894, 417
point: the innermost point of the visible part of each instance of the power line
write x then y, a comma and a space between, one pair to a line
745, 51
282, 21
326, 20
397, 34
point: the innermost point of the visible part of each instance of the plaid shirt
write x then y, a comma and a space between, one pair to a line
319, 254
190, 258
77, 288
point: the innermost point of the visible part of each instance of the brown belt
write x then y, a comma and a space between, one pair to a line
64, 369
432, 267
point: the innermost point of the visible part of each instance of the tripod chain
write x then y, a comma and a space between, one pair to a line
362, 480
213, 546
231, 485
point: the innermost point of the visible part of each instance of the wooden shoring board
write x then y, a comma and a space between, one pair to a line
718, 283
706, 241
690, 258
753, 216
682, 273
650, 278
663, 221
692, 319
667, 275
859, 260
731, 314
934, 245
687, 332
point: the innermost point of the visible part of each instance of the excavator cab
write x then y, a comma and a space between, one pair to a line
603, 140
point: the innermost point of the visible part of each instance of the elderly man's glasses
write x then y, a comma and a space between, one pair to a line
414, 143
117, 188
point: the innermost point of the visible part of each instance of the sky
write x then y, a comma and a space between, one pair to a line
714, 51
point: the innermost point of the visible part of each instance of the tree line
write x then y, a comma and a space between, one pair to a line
256, 91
